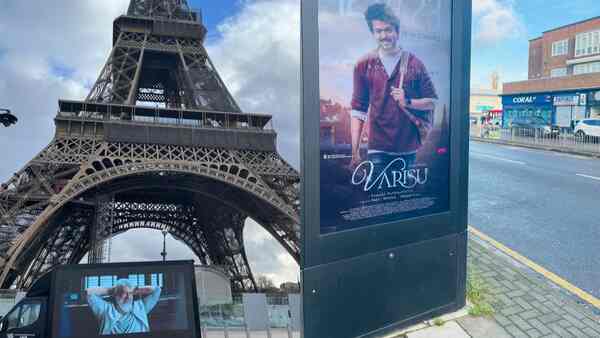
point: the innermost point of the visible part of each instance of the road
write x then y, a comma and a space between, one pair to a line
545, 205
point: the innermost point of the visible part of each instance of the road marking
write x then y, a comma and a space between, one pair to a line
498, 158
588, 176
538, 268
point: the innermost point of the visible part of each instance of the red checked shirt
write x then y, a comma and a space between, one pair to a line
390, 129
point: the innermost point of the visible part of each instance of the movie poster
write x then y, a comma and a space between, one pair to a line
384, 103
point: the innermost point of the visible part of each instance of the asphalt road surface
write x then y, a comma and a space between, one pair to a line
545, 205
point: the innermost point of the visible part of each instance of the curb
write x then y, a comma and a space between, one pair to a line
537, 147
555, 279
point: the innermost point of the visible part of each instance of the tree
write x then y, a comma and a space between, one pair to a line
265, 284
290, 287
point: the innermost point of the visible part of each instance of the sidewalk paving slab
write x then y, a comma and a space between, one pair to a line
448, 330
526, 303
482, 327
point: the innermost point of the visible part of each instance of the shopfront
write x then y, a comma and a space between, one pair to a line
594, 104
570, 108
562, 109
527, 105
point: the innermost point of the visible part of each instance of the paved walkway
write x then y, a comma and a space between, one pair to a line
588, 150
527, 304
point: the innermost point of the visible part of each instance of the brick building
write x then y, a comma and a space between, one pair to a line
563, 85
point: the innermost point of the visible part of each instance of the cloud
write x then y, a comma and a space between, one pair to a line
267, 257
496, 20
57, 51
48, 51
258, 57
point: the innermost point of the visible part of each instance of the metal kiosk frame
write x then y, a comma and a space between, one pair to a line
374, 280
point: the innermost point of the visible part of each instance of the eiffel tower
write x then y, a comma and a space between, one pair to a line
159, 143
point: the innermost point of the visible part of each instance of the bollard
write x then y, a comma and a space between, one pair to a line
203, 329
247, 330
269, 331
226, 330
289, 330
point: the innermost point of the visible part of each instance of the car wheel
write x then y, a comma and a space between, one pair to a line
580, 135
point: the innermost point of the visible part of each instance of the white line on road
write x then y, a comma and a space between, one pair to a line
588, 176
497, 158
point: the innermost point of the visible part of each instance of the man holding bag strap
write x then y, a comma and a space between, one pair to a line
393, 95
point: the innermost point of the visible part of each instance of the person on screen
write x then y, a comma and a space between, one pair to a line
127, 309
393, 96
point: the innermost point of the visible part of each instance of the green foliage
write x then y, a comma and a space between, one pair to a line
479, 296
438, 322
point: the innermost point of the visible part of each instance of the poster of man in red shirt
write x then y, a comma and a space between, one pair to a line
385, 92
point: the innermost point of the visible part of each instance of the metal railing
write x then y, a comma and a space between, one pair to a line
164, 116
561, 139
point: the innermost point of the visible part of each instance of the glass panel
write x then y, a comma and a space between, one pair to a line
12, 320
137, 279
30, 313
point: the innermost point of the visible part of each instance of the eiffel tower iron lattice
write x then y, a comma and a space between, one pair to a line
192, 164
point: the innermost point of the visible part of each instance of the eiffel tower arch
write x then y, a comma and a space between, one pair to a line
159, 143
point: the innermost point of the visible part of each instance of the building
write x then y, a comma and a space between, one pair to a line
335, 123
486, 102
483, 101
564, 77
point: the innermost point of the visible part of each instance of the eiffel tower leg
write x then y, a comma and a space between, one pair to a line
99, 90
58, 245
119, 78
131, 98
100, 230
204, 83
222, 233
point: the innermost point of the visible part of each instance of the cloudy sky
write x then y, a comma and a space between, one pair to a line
55, 49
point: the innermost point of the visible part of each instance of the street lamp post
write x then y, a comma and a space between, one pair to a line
164, 252
6, 118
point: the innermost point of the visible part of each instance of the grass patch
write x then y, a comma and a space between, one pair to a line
479, 296
438, 322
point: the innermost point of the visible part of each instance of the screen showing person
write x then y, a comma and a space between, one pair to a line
127, 309
149, 301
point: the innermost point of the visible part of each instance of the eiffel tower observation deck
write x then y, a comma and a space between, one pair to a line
159, 143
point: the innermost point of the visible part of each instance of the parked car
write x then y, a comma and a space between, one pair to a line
533, 126
588, 128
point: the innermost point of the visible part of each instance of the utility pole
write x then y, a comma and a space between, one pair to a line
164, 252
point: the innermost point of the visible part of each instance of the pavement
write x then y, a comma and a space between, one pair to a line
591, 150
542, 204
527, 303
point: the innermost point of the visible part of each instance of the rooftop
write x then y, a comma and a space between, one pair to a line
565, 26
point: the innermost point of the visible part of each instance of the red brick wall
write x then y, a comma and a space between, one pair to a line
541, 62
544, 43
536, 59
